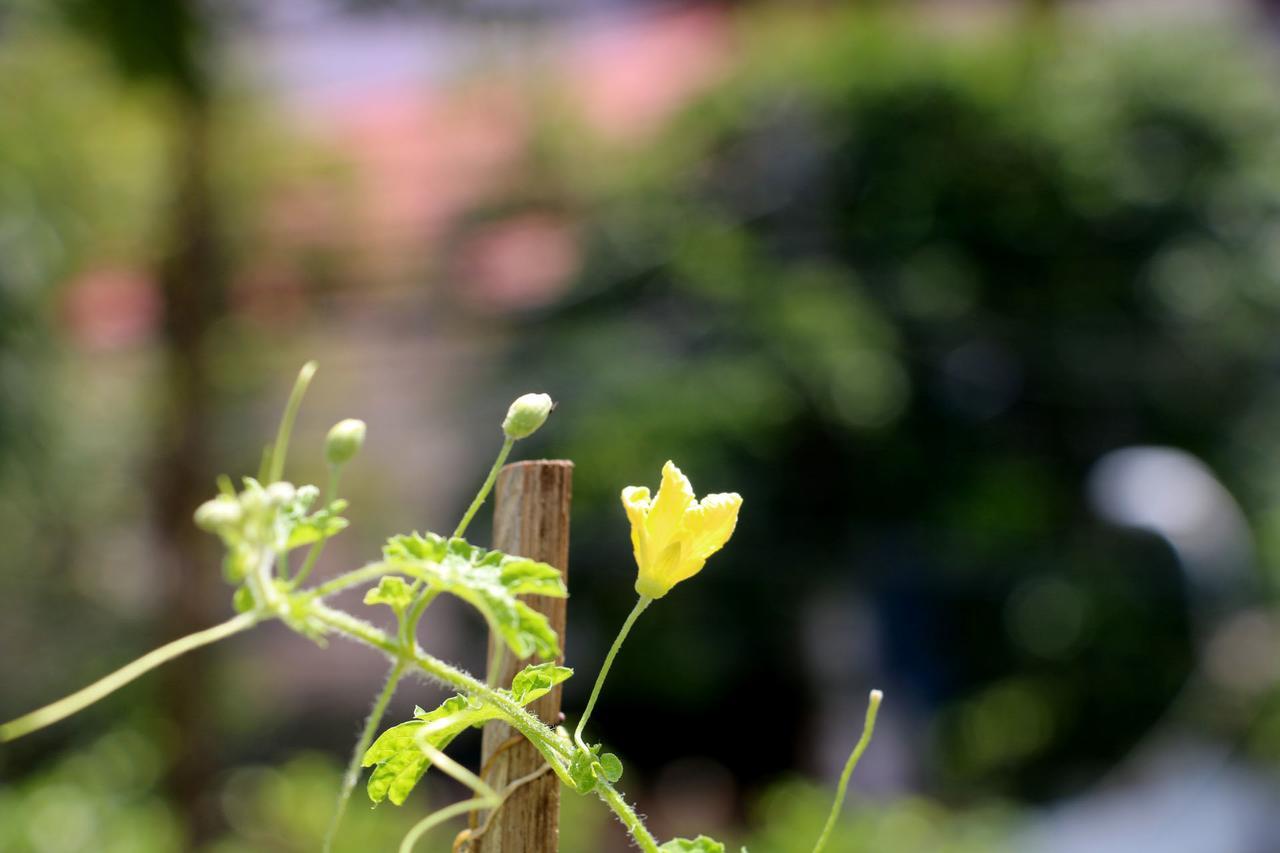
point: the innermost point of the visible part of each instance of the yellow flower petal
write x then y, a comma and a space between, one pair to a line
688, 567
655, 580
710, 524
674, 497
635, 500
672, 534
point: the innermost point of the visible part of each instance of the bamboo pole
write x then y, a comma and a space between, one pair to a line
531, 518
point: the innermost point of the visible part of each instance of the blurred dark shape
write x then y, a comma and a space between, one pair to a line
902, 289
164, 44
159, 41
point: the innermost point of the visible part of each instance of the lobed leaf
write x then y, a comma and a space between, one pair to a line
611, 766
299, 529
398, 755
488, 581
312, 529
391, 591
581, 772
536, 680
589, 766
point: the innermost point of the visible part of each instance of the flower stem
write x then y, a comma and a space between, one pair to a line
486, 487
107, 685
352, 775
313, 554
275, 470
641, 604
868, 728
410, 627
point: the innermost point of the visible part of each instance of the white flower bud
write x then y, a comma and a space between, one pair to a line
526, 414
218, 514
254, 500
281, 493
344, 441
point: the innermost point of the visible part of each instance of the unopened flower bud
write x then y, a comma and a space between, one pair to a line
526, 414
281, 493
254, 500
218, 514
344, 441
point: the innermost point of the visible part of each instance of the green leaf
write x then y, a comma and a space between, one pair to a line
391, 591
488, 581
397, 753
312, 529
584, 778
242, 600
610, 766
236, 564
701, 844
589, 766
535, 681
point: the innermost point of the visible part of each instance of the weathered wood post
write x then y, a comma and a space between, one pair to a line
531, 518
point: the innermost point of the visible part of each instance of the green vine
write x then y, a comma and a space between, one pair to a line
267, 518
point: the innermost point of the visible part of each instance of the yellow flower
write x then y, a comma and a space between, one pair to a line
673, 534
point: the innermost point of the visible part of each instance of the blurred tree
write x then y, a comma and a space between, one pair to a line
902, 290
164, 44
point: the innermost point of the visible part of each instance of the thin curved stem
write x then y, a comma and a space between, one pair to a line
352, 775
313, 553
608, 663
486, 797
275, 470
487, 487
447, 765
408, 634
436, 818
410, 627
868, 728
107, 685
346, 580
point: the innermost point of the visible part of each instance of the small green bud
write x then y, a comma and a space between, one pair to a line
344, 441
307, 496
526, 414
218, 514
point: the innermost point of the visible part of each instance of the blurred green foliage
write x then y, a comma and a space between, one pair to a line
792, 809
902, 287
102, 797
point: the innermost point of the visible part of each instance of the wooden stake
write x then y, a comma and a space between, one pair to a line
531, 518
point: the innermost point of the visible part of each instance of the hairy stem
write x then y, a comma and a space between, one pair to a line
558, 752
608, 663
628, 816
521, 720
352, 776
868, 728
107, 685
356, 577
